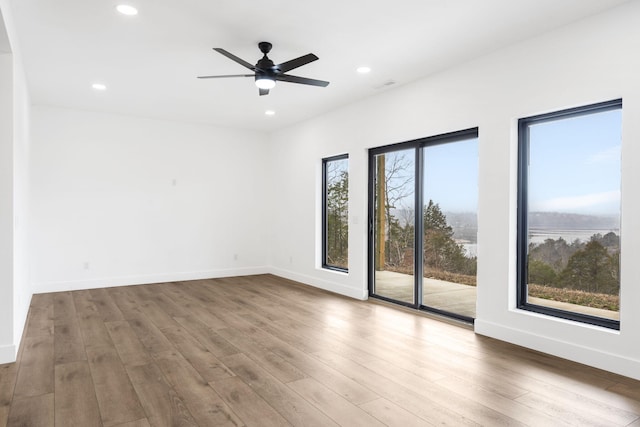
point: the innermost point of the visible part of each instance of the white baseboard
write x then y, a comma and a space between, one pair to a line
586, 355
7, 353
361, 294
105, 282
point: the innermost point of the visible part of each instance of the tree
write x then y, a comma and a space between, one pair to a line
394, 184
541, 273
615, 271
441, 252
337, 215
554, 253
395, 223
401, 238
591, 269
610, 240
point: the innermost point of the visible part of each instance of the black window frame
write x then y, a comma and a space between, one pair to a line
522, 212
325, 264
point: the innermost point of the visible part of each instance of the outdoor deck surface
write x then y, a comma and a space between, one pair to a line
447, 296
460, 299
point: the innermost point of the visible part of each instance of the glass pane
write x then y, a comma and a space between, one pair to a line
394, 216
337, 214
574, 214
450, 224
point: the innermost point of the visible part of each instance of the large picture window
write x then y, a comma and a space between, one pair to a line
335, 213
569, 213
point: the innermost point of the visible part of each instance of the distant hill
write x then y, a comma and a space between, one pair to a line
571, 221
465, 224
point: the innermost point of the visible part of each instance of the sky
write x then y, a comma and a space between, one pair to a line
575, 164
574, 168
451, 175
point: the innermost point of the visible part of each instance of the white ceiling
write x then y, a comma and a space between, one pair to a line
150, 61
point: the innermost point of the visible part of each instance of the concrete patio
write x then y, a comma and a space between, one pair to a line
447, 296
460, 299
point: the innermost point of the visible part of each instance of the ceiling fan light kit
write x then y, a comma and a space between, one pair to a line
266, 73
265, 82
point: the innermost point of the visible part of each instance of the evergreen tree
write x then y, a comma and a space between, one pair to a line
590, 269
441, 252
554, 253
337, 219
610, 240
541, 273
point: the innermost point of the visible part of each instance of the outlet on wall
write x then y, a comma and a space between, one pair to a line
85, 265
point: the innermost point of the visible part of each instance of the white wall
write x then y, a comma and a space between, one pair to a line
124, 200
587, 62
21, 155
15, 291
6, 206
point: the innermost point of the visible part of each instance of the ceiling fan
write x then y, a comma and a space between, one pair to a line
266, 73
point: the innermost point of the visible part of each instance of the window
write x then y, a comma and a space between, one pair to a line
569, 214
335, 213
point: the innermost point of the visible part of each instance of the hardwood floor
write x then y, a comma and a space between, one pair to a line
263, 351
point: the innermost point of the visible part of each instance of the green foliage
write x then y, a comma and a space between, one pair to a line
443, 258
442, 255
338, 218
541, 273
441, 252
609, 240
592, 267
554, 253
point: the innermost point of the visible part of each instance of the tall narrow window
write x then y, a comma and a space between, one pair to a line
335, 213
569, 214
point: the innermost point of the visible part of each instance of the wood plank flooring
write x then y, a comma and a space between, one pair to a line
264, 351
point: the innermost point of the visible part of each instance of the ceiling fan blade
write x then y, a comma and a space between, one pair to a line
295, 63
228, 75
301, 80
264, 92
234, 58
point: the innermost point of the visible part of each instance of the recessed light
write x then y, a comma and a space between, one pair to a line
99, 86
270, 113
363, 70
126, 9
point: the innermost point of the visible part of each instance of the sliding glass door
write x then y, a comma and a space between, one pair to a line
426, 257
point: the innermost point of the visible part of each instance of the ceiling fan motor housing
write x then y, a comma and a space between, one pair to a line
266, 65
265, 47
